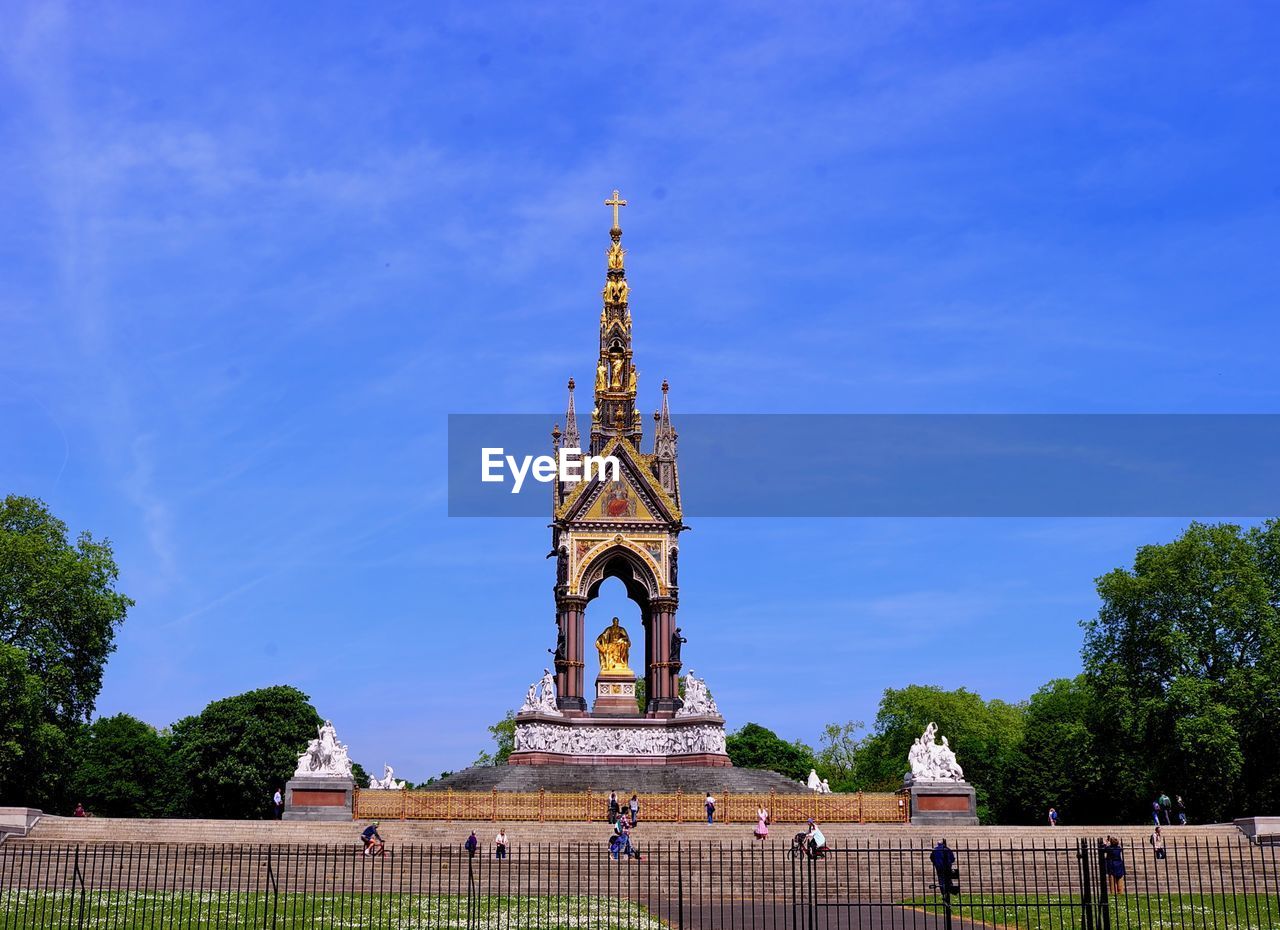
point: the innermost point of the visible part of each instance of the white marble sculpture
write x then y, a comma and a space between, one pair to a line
933, 761
620, 740
697, 699
541, 696
325, 757
387, 782
817, 785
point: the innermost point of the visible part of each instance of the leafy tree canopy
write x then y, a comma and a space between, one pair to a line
59, 611
122, 769
1184, 656
236, 752
504, 736
757, 747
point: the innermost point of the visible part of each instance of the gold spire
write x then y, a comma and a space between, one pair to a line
615, 381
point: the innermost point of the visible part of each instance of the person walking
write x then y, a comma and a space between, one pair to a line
1166, 806
710, 804
1182, 810
613, 807
762, 823
1155, 812
1157, 843
500, 844
634, 804
1053, 816
471, 845
1113, 860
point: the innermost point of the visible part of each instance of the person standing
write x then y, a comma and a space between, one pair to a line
944, 860
613, 807
634, 804
500, 844
710, 805
1053, 816
1113, 860
1165, 807
1182, 810
762, 823
1157, 843
471, 845
1155, 812
277, 805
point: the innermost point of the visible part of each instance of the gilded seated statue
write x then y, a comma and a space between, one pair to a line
614, 646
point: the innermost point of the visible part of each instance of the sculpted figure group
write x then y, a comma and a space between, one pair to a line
697, 699
541, 696
933, 761
325, 756
387, 782
818, 785
619, 741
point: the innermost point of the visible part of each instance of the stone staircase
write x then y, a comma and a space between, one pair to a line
625, 779
432, 832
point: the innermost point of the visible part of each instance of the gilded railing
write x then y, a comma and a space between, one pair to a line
584, 806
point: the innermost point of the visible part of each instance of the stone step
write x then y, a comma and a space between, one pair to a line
249, 832
625, 779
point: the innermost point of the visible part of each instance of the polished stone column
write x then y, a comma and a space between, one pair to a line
660, 674
570, 697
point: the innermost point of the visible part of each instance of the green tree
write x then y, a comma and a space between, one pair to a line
984, 735
757, 747
29, 741
236, 752
504, 735
1057, 763
838, 755
1184, 655
122, 768
59, 611
359, 775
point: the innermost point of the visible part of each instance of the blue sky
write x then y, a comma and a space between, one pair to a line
253, 255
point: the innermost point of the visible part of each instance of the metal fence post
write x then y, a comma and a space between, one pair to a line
680, 885
79, 880
1086, 884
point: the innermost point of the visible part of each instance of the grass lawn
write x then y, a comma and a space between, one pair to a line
1128, 912
136, 910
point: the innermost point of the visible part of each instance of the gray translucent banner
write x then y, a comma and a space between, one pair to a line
917, 465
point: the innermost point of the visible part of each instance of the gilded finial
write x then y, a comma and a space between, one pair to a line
665, 386
571, 384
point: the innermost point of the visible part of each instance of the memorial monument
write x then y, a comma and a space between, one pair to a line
321, 785
939, 793
625, 526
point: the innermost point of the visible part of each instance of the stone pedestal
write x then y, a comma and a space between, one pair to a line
318, 797
615, 695
942, 803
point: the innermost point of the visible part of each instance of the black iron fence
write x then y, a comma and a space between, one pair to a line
1221, 884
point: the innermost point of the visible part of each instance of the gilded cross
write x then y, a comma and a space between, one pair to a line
615, 202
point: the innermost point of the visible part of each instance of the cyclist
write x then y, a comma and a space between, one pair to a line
373, 843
